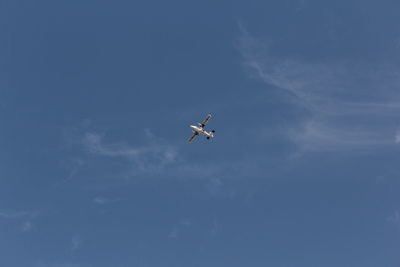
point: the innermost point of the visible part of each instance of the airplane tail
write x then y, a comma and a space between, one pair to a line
211, 134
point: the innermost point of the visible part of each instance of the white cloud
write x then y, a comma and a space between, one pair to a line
153, 156
94, 144
317, 135
350, 106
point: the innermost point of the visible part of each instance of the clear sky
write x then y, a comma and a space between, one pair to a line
95, 102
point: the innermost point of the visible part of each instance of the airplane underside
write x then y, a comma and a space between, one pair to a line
200, 129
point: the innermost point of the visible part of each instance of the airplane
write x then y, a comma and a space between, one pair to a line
200, 129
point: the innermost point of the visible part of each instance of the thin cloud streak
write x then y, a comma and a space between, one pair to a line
22, 218
154, 156
315, 135
17, 214
349, 105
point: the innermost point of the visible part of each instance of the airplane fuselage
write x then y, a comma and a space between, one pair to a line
200, 130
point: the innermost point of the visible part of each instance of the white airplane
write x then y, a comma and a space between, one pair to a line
200, 129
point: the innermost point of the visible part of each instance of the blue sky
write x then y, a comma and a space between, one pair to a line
95, 102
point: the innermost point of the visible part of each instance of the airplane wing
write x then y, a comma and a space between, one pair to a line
192, 137
206, 120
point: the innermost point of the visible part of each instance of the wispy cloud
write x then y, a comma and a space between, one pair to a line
22, 218
127, 159
316, 134
350, 105
153, 156
18, 214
